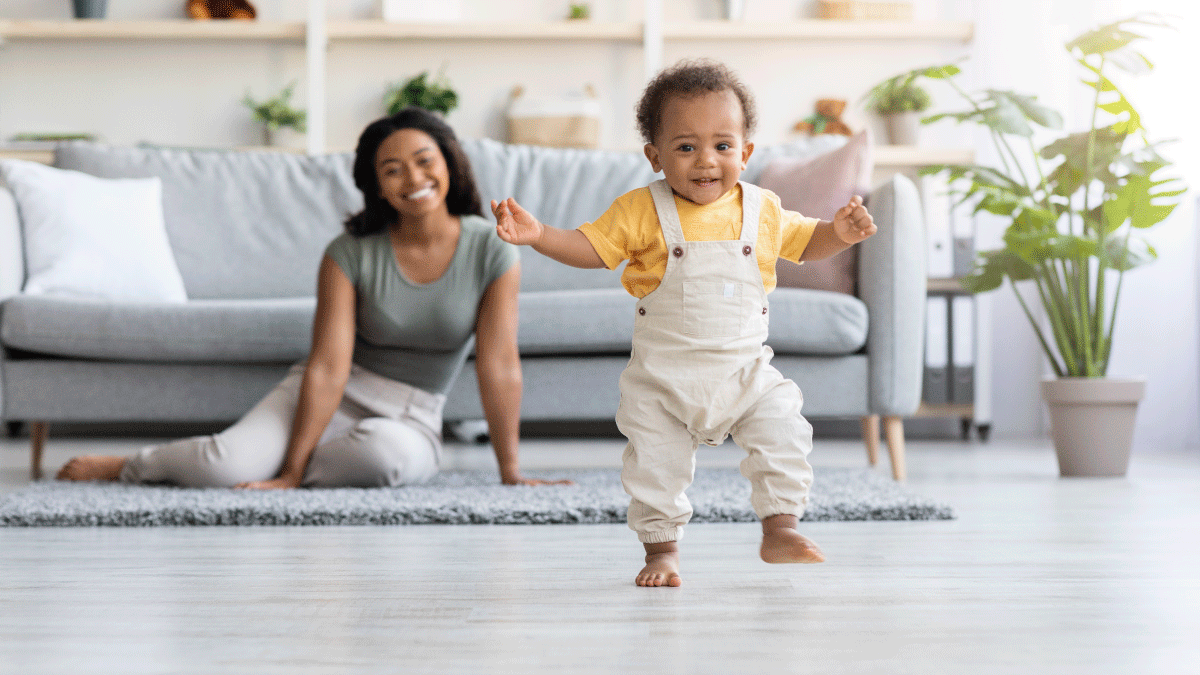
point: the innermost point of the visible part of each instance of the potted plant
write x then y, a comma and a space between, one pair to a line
1075, 207
579, 11
419, 91
277, 113
899, 101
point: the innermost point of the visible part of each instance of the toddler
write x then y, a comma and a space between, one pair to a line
701, 248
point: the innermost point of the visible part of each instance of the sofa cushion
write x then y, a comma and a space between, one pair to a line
93, 237
242, 224
585, 321
806, 321
601, 321
818, 187
265, 330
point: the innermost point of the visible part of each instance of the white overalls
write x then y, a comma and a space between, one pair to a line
699, 372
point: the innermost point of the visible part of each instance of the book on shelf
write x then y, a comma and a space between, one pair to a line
962, 349
935, 383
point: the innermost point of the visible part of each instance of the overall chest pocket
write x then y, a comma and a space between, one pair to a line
714, 309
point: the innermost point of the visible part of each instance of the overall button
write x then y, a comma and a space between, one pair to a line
746, 250
642, 311
764, 310
678, 252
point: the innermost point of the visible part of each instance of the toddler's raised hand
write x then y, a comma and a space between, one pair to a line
853, 223
516, 225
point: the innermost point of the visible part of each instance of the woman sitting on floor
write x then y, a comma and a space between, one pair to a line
418, 274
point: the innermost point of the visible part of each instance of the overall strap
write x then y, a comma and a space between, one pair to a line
751, 207
668, 215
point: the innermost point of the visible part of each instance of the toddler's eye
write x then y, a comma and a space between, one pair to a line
686, 148
722, 147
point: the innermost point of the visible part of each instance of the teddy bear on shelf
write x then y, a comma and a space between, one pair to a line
827, 119
220, 9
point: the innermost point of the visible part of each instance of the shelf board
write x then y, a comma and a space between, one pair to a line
945, 410
180, 29
911, 155
945, 285
375, 29
820, 29
556, 30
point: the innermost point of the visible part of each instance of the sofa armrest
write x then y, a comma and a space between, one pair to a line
12, 251
892, 283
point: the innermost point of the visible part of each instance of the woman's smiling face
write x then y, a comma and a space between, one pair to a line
412, 172
701, 145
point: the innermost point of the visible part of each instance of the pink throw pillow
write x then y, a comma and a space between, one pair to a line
818, 187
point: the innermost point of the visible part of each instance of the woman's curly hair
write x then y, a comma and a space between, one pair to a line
687, 79
377, 214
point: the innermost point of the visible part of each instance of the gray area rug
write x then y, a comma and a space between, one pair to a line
453, 497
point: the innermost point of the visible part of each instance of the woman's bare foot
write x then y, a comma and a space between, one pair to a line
92, 467
783, 544
662, 566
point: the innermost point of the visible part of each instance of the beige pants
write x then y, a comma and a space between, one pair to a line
699, 372
383, 433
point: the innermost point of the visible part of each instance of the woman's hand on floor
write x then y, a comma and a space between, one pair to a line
521, 480
273, 484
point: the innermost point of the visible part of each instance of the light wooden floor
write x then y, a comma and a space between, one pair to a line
1038, 575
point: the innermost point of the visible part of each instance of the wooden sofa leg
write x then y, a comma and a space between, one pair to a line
893, 429
870, 433
38, 432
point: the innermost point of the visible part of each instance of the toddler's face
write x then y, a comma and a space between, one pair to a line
701, 147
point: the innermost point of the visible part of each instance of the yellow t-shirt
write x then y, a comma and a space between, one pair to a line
629, 230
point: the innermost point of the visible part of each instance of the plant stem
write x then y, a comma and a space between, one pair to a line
1053, 302
1058, 371
976, 108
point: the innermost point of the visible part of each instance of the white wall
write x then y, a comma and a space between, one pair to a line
188, 93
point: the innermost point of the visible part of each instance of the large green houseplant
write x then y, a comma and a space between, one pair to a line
1076, 206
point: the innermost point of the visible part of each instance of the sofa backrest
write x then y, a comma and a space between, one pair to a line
254, 224
241, 224
563, 187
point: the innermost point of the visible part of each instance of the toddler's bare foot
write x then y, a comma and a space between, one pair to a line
662, 566
92, 467
783, 544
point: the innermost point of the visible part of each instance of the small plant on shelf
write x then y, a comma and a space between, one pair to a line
580, 11
277, 113
898, 100
436, 95
899, 94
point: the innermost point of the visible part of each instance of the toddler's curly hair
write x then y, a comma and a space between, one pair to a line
687, 79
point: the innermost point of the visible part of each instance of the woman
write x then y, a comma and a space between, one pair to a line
400, 295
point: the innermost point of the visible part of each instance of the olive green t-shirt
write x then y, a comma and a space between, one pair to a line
420, 334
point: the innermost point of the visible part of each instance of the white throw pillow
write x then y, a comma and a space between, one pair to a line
89, 237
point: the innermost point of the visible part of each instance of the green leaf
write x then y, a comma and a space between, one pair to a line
1103, 40
1126, 255
941, 72
1031, 109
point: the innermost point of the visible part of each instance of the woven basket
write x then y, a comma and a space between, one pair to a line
859, 10
557, 122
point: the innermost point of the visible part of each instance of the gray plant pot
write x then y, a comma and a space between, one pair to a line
90, 9
902, 128
1091, 421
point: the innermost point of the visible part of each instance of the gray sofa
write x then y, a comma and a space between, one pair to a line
248, 228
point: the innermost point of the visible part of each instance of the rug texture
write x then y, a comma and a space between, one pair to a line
453, 497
